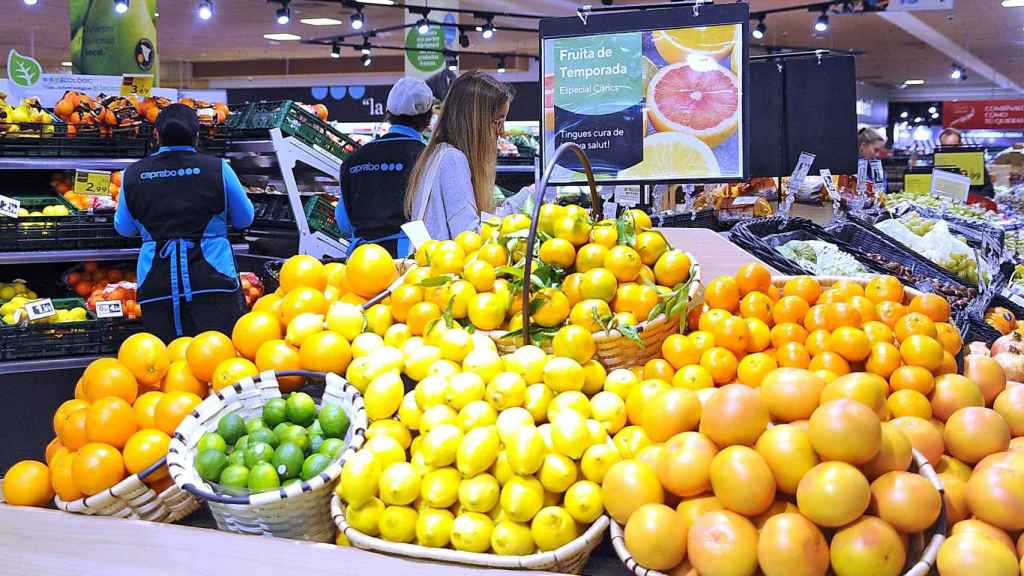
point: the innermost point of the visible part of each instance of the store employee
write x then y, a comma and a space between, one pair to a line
374, 177
181, 203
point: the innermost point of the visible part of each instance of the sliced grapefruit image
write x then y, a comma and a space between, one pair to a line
713, 41
673, 154
735, 60
702, 99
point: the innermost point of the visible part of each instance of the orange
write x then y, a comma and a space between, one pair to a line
949, 336
679, 351
890, 312
788, 452
370, 269
231, 371
878, 331
792, 355
403, 299
914, 323
604, 235
722, 292
948, 364
108, 377
842, 314
884, 289
672, 268
694, 377
268, 303
252, 330
335, 273
597, 283
176, 349
583, 313
702, 340
61, 480
207, 351
760, 335
65, 410
179, 377
817, 341
447, 258
721, 363
557, 252
628, 485
145, 408
753, 368
848, 289
96, 467
172, 409
708, 320
670, 412
753, 277
864, 307
931, 305
79, 390
494, 254
816, 317
302, 299
479, 273
651, 245
27, 483
805, 287
756, 305
325, 352
111, 421
850, 343
421, 314
571, 287
72, 433
53, 449
655, 536
639, 299
732, 334
912, 378
280, 356
303, 270
658, 369
624, 262
774, 292
469, 241
831, 296
144, 449
829, 361
923, 351
883, 360
786, 332
146, 357
909, 403
790, 309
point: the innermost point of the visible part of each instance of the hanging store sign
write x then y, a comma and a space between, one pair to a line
984, 115
424, 55
106, 42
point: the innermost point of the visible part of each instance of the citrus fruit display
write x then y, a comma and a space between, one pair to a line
697, 97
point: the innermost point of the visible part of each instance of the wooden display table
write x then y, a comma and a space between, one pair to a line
39, 541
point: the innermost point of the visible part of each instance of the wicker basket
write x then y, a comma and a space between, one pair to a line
569, 559
300, 511
924, 545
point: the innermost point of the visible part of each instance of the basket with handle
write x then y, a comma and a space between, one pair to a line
300, 511
568, 559
614, 350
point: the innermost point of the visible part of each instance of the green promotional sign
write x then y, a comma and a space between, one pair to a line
599, 75
23, 71
423, 50
105, 42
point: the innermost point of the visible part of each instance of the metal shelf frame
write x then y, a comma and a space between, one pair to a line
58, 163
49, 256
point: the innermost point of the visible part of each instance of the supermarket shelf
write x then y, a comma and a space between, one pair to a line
76, 255
45, 364
524, 169
61, 163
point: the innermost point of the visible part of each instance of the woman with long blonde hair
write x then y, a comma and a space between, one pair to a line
453, 180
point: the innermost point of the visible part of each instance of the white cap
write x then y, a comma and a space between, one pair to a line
410, 97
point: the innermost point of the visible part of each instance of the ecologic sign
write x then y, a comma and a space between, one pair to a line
106, 42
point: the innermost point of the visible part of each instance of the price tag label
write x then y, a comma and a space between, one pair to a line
878, 175
949, 185
610, 209
137, 85
109, 309
1014, 296
744, 201
627, 195
92, 182
862, 176
417, 232
39, 309
803, 166
830, 185
9, 206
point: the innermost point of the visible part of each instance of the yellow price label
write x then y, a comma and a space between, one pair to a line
137, 85
972, 164
917, 183
92, 182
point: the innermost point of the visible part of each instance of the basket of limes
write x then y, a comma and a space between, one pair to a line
267, 462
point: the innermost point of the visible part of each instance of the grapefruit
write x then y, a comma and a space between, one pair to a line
1010, 405
954, 493
995, 495
894, 453
972, 554
684, 464
907, 501
692, 508
845, 430
734, 414
722, 543
791, 393
923, 436
742, 480
833, 494
983, 529
868, 546
790, 545
697, 97
868, 389
974, 432
628, 485
788, 452
656, 537
953, 392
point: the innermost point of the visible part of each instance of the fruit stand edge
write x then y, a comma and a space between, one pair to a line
717, 256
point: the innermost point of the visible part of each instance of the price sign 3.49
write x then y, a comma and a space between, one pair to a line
9, 206
39, 309
109, 309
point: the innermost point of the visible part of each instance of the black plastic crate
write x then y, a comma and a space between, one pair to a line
81, 231
67, 141
705, 218
114, 331
45, 340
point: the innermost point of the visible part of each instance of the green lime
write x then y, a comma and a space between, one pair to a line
231, 427
314, 465
274, 412
290, 481
333, 420
315, 442
263, 477
280, 429
243, 442
263, 435
259, 452
301, 409
212, 441
296, 435
236, 458
332, 448
234, 476
314, 429
254, 424
210, 463
287, 460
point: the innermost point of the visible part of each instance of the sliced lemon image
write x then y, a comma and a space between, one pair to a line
713, 41
676, 154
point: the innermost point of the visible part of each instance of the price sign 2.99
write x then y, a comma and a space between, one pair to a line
92, 182
39, 309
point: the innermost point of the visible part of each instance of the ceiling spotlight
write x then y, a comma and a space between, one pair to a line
935, 115
932, 109
357, 19
31, 2
423, 26
904, 114
463, 39
1006, 3
205, 10
488, 30
284, 14
758, 32
120, 6
366, 49
918, 120
501, 64
335, 51
821, 24
957, 72
367, 60
453, 63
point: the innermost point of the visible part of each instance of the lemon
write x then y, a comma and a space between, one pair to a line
594, 376
385, 359
506, 390
346, 319
526, 451
383, 396
456, 344
597, 460
630, 441
529, 362
417, 462
501, 469
386, 450
574, 342
598, 434
341, 540
482, 362
675, 152
521, 498
418, 363
545, 434
583, 501
552, 528
479, 493
464, 388
608, 409
360, 477
536, 400
365, 343
431, 391
366, 516
512, 539
440, 488
557, 473
440, 445
437, 416
399, 485
396, 335
471, 532
398, 524
409, 412
477, 414
572, 400
562, 374
411, 344
392, 428
477, 451
356, 373
444, 368
484, 342
569, 434
434, 528
436, 333
511, 420
621, 382
303, 326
